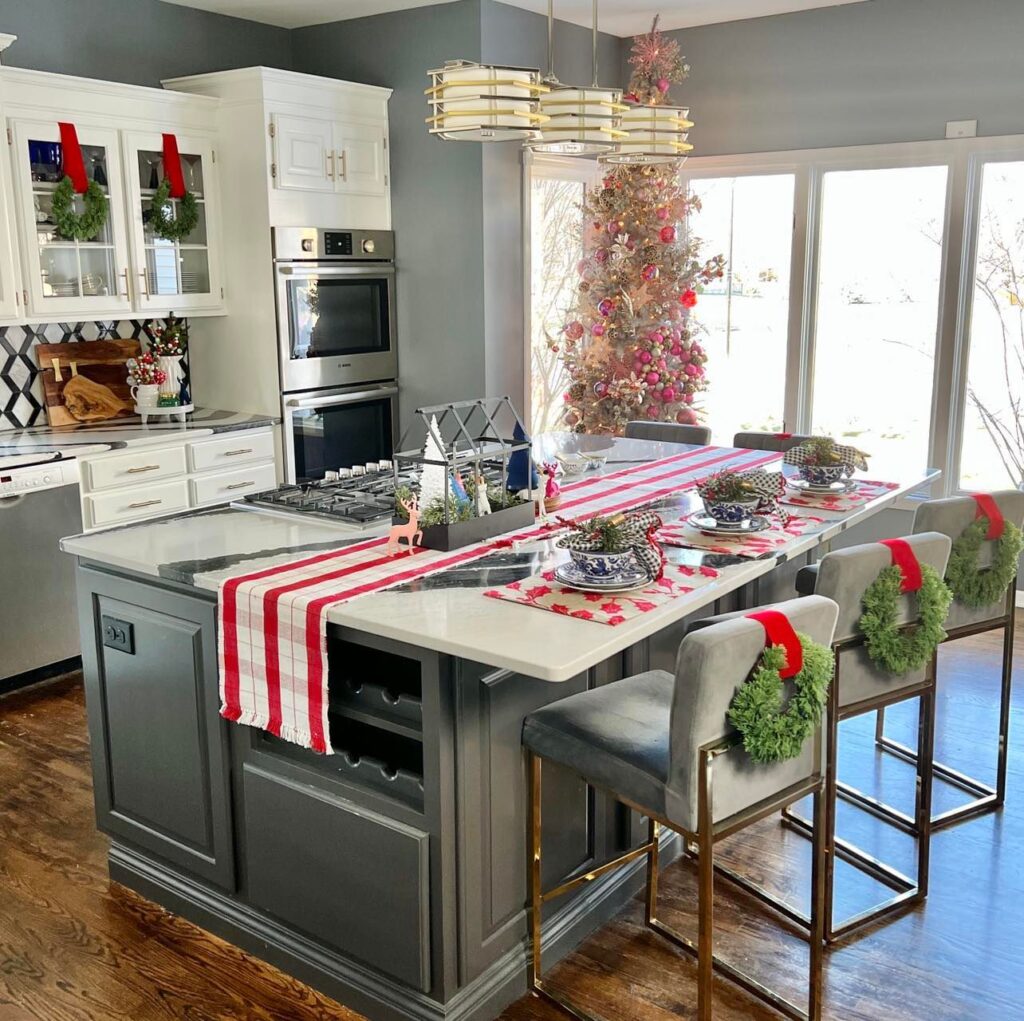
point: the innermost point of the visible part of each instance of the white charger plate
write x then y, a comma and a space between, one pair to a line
567, 574
706, 523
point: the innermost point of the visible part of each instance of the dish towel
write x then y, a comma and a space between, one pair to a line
272, 634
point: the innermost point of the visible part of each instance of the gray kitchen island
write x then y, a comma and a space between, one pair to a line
391, 874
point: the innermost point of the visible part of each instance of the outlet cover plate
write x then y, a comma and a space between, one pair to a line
961, 129
118, 634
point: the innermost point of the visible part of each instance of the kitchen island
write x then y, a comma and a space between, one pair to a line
391, 874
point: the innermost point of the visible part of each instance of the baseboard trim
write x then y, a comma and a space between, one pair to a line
359, 987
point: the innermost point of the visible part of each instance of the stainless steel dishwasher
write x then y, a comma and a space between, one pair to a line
39, 505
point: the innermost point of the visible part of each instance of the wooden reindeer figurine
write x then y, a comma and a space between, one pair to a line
410, 530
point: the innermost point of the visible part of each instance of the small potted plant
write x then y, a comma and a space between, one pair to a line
145, 378
823, 465
600, 548
729, 498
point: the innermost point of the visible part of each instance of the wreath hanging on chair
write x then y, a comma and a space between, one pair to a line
977, 587
771, 732
82, 226
172, 228
895, 647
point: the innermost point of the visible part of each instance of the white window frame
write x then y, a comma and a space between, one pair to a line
963, 159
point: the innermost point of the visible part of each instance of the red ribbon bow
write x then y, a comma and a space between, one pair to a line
172, 166
903, 557
779, 631
783, 436
988, 508
71, 157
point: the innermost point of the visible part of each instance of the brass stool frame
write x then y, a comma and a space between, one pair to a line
986, 799
907, 892
705, 838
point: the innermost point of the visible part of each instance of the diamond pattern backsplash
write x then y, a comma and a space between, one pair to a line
21, 389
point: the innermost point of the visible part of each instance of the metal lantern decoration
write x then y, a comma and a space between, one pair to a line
654, 134
483, 102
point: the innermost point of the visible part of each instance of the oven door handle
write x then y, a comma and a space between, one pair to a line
369, 269
344, 398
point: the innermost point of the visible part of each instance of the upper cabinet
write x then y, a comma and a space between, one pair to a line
136, 260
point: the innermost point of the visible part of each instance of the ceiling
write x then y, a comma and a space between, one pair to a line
619, 17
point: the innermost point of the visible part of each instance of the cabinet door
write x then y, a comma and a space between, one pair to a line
159, 746
362, 158
304, 153
10, 283
170, 274
65, 277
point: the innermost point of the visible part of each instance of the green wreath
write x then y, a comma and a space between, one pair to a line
179, 227
79, 226
900, 651
771, 733
975, 587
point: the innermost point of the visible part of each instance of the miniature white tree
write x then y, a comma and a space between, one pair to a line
433, 477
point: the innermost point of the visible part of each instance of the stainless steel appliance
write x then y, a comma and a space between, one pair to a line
39, 505
335, 307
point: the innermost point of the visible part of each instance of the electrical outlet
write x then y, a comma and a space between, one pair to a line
118, 634
961, 129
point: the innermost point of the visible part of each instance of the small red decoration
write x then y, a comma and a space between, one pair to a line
667, 234
688, 298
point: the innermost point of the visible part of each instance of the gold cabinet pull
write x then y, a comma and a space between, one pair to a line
127, 291
144, 503
142, 468
145, 283
241, 485
235, 453
343, 173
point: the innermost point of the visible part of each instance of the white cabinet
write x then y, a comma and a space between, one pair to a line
318, 154
67, 277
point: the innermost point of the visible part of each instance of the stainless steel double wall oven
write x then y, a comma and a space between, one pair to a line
338, 347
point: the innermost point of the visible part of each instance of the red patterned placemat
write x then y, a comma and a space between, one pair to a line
544, 592
753, 545
865, 492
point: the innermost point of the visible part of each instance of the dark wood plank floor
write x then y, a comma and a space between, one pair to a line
75, 947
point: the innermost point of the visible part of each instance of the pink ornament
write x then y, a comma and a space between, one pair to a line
600, 388
686, 417
656, 337
676, 336
667, 234
601, 256
607, 307
574, 330
652, 411
597, 329
662, 364
663, 213
691, 369
613, 227
668, 395
676, 349
645, 356
684, 356
638, 366
649, 272
652, 378
655, 395
688, 398
663, 85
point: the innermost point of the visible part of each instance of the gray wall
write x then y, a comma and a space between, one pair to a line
883, 71
436, 196
134, 41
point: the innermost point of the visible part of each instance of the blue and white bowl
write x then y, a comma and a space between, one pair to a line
822, 474
731, 512
605, 566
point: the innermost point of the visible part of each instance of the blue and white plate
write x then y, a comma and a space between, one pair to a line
706, 523
569, 574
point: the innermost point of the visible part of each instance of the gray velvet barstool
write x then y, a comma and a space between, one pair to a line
752, 440
669, 432
662, 745
951, 517
860, 686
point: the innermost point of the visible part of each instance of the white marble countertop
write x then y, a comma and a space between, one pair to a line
129, 432
203, 548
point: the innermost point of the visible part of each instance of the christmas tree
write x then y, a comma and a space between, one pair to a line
433, 477
629, 347
657, 65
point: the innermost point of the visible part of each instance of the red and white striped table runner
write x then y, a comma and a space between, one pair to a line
272, 636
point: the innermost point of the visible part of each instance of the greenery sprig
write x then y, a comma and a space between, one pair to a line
175, 228
728, 486
82, 226
770, 732
973, 586
900, 651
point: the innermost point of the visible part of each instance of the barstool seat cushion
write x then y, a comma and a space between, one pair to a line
615, 736
806, 580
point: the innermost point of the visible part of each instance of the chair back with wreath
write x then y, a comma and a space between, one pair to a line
952, 516
712, 664
668, 432
781, 442
845, 575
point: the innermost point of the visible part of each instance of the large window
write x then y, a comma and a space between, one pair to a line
745, 318
879, 276
992, 450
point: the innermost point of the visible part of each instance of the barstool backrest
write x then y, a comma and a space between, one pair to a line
767, 441
712, 663
951, 516
668, 432
845, 574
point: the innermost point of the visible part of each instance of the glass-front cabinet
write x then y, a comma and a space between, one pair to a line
82, 272
174, 267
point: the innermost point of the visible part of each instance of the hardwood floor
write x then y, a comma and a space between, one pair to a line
75, 947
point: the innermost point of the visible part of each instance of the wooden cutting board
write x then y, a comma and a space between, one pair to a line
101, 361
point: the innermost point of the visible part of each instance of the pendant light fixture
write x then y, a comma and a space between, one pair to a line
483, 102
578, 121
653, 134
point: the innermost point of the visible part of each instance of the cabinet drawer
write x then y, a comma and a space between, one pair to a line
137, 467
138, 502
238, 448
232, 485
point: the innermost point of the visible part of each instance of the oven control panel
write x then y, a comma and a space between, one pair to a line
337, 243
319, 244
16, 481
